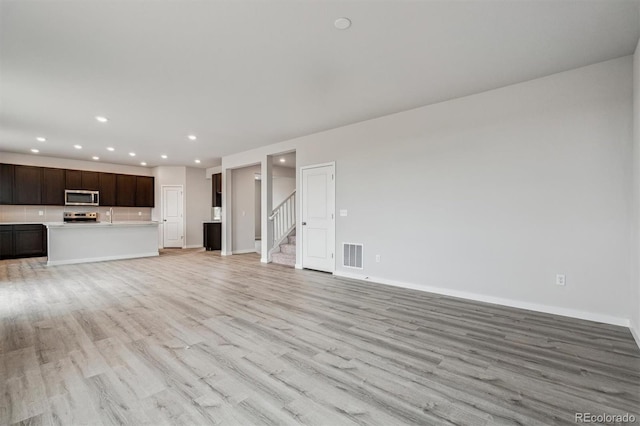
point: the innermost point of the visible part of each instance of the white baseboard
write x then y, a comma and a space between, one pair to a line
298, 266
245, 251
263, 260
555, 310
194, 246
100, 259
636, 335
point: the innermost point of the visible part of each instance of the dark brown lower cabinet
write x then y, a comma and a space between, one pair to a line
213, 236
18, 241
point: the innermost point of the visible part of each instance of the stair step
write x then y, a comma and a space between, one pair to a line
288, 248
291, 239
284, 259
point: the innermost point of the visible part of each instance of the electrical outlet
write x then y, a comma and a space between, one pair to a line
561, 279
40, 213
139, 213
377, 258
344, 213
108, 213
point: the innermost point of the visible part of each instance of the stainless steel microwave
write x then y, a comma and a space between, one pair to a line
76, 197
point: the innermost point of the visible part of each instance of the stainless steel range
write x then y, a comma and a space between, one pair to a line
80, 217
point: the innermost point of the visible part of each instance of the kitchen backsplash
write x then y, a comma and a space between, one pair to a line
12, 213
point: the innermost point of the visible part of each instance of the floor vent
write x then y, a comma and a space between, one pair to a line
352, 255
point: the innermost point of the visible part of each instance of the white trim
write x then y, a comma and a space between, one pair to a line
100, 259
162, 222
194, 246
263, 260
225, 253
635, 335
301, 201
555, 310
298, 266
245, 251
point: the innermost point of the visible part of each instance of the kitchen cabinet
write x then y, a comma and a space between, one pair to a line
212, 235
6, 183
30, 185
27, 187
144, 191
53, 186
73, 179
107, 188
216, 188
90, 181
125, 190
6, 241
17, 241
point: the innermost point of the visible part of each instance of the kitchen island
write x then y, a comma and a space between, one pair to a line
99, 241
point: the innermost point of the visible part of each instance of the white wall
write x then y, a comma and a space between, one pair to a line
284, 182
635, 298
490, 196
243, 208
198, 205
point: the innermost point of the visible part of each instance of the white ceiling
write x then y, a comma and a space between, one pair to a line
242, 74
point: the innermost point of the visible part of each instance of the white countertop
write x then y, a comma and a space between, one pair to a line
22, 223
211, 221
118, 224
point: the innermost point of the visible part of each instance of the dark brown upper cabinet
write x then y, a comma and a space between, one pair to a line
216, 185
126, 190
53, 186
107, 188
90, 181
27, 185
6, 183
73, 179
144, 191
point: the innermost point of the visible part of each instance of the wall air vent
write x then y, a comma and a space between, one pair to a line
352, 255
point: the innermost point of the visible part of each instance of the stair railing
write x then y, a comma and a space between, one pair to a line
284, 219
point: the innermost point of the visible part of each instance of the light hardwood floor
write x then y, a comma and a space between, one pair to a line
194, 338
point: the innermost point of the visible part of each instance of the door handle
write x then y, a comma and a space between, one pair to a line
165, 220
304, 223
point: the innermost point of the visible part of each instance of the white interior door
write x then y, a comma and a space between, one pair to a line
318, 217
172, 216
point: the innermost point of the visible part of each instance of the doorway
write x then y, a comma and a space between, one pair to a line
172, 216
318, 217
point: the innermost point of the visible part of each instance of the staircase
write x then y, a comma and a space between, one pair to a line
285, 253
283, 218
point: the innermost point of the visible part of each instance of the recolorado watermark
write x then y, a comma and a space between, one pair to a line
604, 418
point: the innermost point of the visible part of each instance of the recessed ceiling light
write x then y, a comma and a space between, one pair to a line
41, 139
342, 23
143, 163
101, 119
95, 157
110, 148
192, 137
197, 161
164, 156
282, 160
35, 151
77, 146
133, 154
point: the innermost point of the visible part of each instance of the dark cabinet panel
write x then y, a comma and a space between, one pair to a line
107, 188
144, 191
6, 241
29, 240
216, 186
73, 179
22, 241
125, 190
90, 181
53, 186
27, 185
6, 183
213, 236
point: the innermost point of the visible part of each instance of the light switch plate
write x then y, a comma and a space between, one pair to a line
343, 212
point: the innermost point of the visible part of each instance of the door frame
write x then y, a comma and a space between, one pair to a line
162, 187
301, 203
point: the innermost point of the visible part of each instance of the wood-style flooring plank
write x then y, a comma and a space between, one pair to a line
193, 338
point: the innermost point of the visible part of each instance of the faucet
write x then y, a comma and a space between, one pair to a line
110, 214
